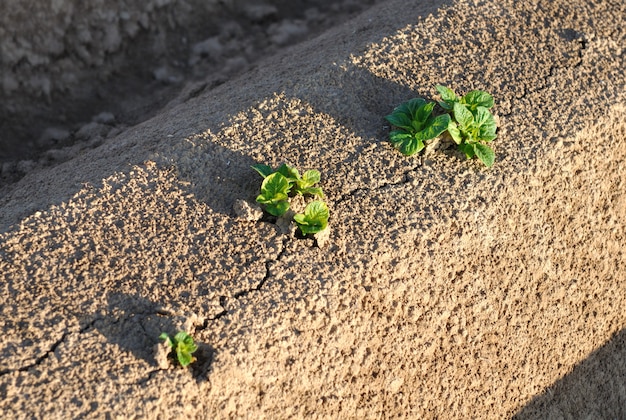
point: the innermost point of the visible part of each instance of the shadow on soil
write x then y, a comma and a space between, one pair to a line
377, 95
596, 388
134, 324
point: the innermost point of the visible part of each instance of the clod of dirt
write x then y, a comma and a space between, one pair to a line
286, 224
161, 355
322, 238
247, 211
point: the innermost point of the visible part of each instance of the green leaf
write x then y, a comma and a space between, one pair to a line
309, 178
422, 114
185, 346
454, 132
185, 341
275, 188
406, 143
289, 172
184, 358
414, 145
397, 137
482, 116
428, 129
446, 93
400, 120
484, 153
468, 149
277, 208
263, 170
486, 124
434, 127
314, 219
463, 116
448, 97
477, 98
487, 135
413, 105
168, 340
403, 115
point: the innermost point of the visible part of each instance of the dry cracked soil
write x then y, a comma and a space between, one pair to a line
443, 290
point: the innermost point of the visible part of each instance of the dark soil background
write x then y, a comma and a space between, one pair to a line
74, 75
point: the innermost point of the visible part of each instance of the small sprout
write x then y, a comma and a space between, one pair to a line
472, 124
415, 125
314, 219
468, 122
275, 193
184, 346
284, 182
472, 99
305, 184
302, 185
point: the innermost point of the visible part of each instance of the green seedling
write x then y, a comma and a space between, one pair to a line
279, 184
314, 219
468, 121
183, 344
472, 124
472, 100
415, 125
275, 193
301, 184
285, 181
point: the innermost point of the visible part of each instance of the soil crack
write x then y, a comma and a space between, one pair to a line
404, 180
268, 270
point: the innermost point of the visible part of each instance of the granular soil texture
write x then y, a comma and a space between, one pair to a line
444, 289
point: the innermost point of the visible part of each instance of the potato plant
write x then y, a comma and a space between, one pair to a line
284, 182
467, 120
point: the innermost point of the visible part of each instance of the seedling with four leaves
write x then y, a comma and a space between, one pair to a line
278, 185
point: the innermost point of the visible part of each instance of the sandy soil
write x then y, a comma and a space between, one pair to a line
446, 290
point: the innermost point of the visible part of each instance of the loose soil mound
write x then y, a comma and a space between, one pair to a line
445, 290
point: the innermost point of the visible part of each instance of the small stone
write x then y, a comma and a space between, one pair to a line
235, 65
192, 321
286, 224
8, 168
211, 47
433, 146
104, 118
165, 75
260, 12
59, 155
25, 166
53, 136
91, 130
395, 384
287, 32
